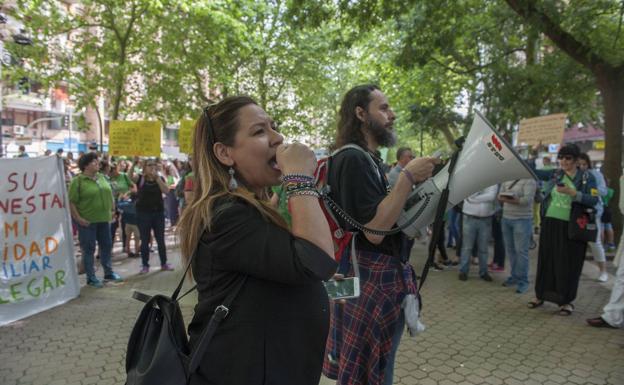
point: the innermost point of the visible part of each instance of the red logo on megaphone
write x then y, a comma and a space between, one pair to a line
497, 143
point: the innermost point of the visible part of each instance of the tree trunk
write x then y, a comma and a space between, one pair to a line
611, 85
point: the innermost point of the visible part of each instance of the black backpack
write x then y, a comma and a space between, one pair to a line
158, 349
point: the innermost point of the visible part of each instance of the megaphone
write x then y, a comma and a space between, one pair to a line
484, 160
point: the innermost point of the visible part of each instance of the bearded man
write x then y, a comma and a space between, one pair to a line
367, 330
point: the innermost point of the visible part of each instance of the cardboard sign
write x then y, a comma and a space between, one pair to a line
134, 138
185, 136
545, 129
38, 268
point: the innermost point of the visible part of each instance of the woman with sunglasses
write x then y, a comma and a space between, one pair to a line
560, 259
277, 325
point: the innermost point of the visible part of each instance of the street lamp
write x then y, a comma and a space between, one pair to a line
22, 39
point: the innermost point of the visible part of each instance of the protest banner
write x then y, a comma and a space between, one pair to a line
134, 138
543, 129
185, 136
37, 250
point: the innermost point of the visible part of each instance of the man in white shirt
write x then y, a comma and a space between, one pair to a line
477, 227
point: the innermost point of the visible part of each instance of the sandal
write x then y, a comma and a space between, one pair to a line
566, 310
535, 303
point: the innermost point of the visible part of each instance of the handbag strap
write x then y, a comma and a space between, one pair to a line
219, 314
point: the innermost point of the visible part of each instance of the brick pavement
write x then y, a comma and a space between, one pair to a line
477, 333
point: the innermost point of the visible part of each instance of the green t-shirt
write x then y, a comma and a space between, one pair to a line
121, 184
92, 198
560, 204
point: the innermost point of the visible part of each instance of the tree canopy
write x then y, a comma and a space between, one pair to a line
437, 60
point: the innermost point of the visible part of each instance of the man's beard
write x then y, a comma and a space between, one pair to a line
383, 136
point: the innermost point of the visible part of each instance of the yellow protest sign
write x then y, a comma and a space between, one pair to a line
185, 136
134, 138
545, 129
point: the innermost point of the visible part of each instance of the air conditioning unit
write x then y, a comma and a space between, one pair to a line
19, 130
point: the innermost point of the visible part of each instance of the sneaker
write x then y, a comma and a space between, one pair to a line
96, 283
168, 267
486, 277
603, 277
610, 247
497, 269
144, 270
113, 277
509, 282
463, 276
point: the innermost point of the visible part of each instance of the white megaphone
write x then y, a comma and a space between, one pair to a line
485, 159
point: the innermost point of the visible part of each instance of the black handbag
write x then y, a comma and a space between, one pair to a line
582, 224
158, 349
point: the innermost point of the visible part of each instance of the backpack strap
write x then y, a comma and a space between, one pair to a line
370, 159
219, 314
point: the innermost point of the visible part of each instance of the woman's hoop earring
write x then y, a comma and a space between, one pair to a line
233, 185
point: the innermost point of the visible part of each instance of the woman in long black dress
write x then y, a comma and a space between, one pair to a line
276, 328
560, 259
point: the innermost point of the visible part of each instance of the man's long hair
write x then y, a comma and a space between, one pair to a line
350, 128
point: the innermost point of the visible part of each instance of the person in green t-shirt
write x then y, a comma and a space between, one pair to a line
560, 259
91, 204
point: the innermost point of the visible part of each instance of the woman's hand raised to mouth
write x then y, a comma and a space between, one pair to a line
295, 158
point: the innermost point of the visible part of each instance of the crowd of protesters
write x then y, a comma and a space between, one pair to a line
508, 214
130, 200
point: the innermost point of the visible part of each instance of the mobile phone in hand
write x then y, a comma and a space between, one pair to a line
560, 184
344, 288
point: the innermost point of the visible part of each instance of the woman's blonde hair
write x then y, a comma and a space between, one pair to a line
218, 123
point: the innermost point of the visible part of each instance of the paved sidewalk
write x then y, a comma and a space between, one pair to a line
477, 333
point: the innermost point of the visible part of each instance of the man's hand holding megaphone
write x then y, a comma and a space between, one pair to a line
420, 169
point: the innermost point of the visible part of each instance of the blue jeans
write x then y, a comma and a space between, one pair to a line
517, 234
477, 230
88, 235
148, 221
499, 244
453, 228
396, 339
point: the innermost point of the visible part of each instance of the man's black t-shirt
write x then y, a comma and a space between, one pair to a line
358, 188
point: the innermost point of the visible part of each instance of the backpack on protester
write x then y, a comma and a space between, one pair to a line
158, 348
341, 237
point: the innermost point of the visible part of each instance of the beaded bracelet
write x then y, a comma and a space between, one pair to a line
293, 186
303, 192
294, 190
297, 178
